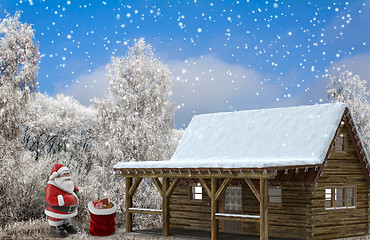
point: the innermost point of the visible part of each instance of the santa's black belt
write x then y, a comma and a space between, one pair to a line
69, 209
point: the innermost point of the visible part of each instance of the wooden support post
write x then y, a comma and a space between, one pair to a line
214, 210
128, 204
165, 208
264, 209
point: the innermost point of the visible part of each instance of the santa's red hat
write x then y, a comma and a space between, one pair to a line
58, 170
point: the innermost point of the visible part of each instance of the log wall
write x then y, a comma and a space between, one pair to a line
189, 214
289, 220
341, 169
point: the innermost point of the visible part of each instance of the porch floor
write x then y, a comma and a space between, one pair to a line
202, 235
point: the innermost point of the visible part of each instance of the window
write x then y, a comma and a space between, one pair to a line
233, 199
329, 198
341, 143
350, 197
196, 192
275, 195
340, 197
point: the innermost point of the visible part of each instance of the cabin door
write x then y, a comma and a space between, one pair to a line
233, 204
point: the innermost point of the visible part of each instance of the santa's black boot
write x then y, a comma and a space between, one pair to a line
59, 231
70, 229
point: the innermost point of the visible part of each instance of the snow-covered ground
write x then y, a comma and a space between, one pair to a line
39, 229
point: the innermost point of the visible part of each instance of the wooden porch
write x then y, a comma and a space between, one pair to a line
183, 234
214, 183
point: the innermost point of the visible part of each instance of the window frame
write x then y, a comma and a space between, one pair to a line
278, 196
193, 193
343, 148
345, 196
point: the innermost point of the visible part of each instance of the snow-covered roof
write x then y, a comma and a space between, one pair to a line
274, 137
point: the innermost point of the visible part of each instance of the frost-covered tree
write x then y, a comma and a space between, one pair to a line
18, 69
138, 117
350, 89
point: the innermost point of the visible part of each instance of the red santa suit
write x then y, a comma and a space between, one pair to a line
61, 204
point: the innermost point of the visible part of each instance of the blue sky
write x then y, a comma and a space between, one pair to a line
224, 55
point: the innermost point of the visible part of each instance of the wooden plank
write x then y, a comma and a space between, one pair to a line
158, 185
254, 188
191, 209
223, 188
128, 204
205, 186
190, 216
264, 209
214, 210
172, 187
165, 208
134, 186
145, 211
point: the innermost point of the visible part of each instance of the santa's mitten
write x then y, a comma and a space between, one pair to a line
77, 194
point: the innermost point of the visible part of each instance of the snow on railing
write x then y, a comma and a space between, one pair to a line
242, 217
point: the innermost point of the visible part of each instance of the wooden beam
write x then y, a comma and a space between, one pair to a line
146, 211
134, 186
214, 210
254, 188
264, 209
165, 208
196, 173
223, 188
158, 185
172, 187
205, 186
128, 204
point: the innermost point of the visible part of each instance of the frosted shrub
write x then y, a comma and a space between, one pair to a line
35, 229
22, 184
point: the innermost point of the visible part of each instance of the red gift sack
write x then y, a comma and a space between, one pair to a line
102, 220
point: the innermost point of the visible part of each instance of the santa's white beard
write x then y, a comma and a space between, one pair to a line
65, 183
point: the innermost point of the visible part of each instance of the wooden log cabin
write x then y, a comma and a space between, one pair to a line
297, 173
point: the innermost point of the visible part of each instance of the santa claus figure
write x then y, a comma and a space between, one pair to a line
62, 201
